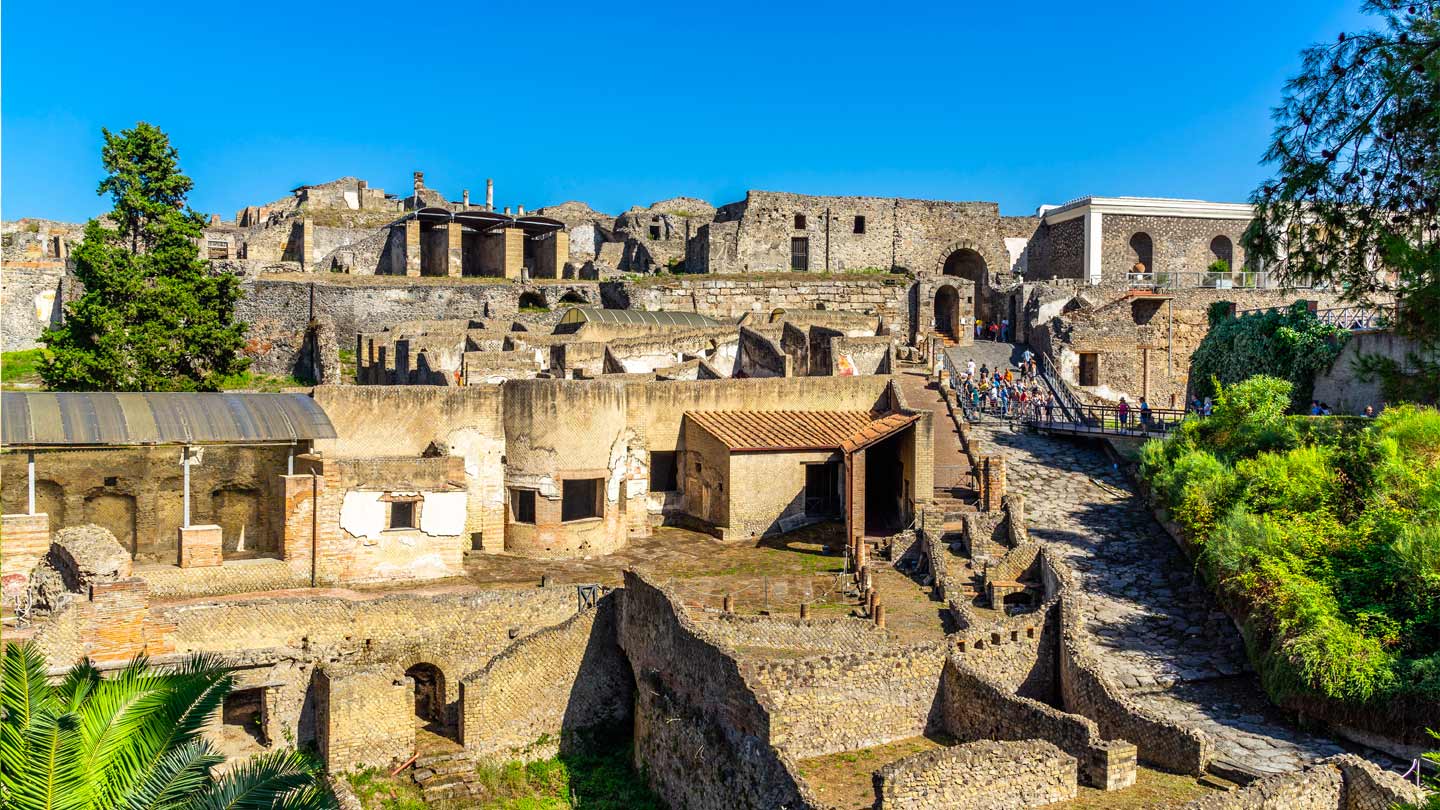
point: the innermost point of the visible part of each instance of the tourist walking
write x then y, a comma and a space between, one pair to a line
1123, 411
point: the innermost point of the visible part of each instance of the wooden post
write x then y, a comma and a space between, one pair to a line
804, 610
729, 603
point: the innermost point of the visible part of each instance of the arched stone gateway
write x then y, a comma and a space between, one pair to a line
947, 311
429, 694
967, 260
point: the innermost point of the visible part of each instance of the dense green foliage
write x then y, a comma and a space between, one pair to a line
22, 366
1357, 184
153, 316
1325, 531
132, 741
1290, 343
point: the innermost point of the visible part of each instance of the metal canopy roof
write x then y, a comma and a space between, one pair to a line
538, 225
34, 420
637, 316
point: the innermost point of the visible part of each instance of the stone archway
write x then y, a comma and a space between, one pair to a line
428, 692
947, 311
968, 261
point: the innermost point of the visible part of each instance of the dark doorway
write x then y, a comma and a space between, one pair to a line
429, 694
1089, 368
822, 489
800, 253
947, 311
885, 490
245, 710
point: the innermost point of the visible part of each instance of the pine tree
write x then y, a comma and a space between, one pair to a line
154, 316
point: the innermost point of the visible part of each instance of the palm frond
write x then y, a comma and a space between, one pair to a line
23, 693
116, 719
277, 780
79, 682
179, 776
53, 777
169, 717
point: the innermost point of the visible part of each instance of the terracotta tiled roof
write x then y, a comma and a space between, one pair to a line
796, 430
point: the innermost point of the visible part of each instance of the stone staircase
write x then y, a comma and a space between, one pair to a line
446, 780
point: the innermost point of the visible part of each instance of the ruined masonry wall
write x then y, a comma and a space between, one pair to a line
549, 685
978, 776
731, 298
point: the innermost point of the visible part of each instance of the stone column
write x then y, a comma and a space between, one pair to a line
412, 247
456, 240
514, 256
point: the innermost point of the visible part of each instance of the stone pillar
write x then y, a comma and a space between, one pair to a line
200, 546
465, 199
307, 242
455, 235
992, 484
26, 540
514, 255
412, 247
489, 194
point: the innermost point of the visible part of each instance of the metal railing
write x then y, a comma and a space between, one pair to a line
1060, 390
1358, 318
1111, 420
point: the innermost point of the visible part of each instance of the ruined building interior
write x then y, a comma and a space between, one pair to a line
684, 471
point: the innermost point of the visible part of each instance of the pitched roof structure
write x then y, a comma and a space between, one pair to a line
92, 419
752, 431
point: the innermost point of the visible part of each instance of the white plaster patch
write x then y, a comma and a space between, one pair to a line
44, 305
362, 514
352, 200
443, 514
1015, 246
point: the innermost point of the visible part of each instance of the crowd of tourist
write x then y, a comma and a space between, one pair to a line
1010, 392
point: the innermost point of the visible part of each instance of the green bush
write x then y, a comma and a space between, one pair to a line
1290, 344
1325, 532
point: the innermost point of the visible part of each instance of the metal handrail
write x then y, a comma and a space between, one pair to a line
1107, 419
1059, 389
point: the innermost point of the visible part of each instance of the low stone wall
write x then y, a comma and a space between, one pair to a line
979, 775
974, 707
1346, 782
790, 633
830, 703
730, 297
1086, 691
549, 685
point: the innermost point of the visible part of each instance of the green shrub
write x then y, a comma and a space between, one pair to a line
1301, 480
1291, 344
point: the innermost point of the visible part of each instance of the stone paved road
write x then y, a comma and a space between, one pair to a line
1154, 624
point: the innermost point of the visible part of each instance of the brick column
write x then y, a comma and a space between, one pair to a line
455, 242
992, 484
200, 547
297, 515
412, 247
307, 242
24, 539
514, 255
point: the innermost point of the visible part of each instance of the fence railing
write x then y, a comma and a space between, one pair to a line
1358, 318
1059, 389
1111, 420
1204, 279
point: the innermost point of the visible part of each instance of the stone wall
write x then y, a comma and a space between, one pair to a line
549, 686
1345, 782
34, 293
280, 308
701, 735
1345, 389
732, 298
831, 703
1178, 244
135, 493
978, 776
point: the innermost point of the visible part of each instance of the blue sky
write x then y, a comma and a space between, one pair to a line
617, 104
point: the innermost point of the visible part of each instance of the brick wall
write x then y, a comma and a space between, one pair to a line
199, 547
26, 539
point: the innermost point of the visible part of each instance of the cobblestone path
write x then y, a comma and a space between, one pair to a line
1154, 624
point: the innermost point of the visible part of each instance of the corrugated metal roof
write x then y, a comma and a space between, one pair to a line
598, 315
797, 430
95, 419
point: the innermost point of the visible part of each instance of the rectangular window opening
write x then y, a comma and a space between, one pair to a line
663, 472
799, 222
522, 506
1089, 368
402, 515
580, 498
800, 253
859, 224
654, 231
